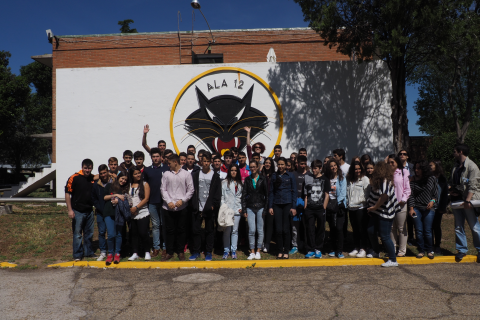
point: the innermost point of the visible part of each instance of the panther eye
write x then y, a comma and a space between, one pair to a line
237, 116
213, 117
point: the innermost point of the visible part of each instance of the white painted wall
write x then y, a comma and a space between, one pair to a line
102, 111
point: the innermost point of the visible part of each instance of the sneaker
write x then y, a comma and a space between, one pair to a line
102, 256
208, 256
340, 255
133, 257
309, 255
361, 254
353, 253
318, 254
234, 255
459, 256
78, 259
109, 259
293, 251
258, 256
390, 263
225, 256
265, 250
194, 257
116, 259
147, 256
372, 254
331, 254
251, 256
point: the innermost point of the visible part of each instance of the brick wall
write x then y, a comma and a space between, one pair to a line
173, 49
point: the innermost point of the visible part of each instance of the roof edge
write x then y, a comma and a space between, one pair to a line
181, 32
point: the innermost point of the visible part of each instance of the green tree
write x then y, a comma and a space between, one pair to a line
390, 30
20, 117
450, 80
125, 26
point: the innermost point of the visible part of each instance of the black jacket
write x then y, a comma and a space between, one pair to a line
255, 198
214, 194
80, 187
98, 193
195, 169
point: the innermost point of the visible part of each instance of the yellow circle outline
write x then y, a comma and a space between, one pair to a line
266, 85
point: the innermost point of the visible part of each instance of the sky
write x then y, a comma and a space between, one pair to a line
26, 21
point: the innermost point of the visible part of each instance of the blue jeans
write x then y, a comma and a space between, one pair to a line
423, 228
460, 237
114, 235
255, 215
82, 227
102, 229
156, 217
230, 236
384, 227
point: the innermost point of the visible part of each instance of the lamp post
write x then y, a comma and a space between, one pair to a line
196, 5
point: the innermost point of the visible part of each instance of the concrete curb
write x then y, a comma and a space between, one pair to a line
7, 265
238, 264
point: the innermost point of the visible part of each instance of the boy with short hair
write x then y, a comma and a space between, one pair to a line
242, 164
177, 189
277, 152
127, 163
234, 151
183, 158
190, 165
228, 159
191, 148
217, 167
113, 167
98, 194
78, 197
204, 203
139, 158
161, 144
316, 188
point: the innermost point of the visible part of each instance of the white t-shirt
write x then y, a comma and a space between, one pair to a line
344, 167
204, 181
333, 188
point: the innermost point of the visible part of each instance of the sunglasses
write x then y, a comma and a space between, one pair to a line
403, 154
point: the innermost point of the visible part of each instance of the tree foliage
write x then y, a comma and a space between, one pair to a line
390, 30
23, 113
450, 80
125, 26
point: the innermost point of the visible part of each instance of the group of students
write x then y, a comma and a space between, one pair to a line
277, 197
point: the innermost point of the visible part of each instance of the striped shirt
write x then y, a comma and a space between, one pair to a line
388, 209
421, 194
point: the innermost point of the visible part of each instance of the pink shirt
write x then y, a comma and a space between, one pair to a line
176, 186
402, 184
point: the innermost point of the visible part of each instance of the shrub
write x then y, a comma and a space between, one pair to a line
442, 149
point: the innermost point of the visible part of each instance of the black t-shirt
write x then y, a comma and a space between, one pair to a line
300, 180
315, 189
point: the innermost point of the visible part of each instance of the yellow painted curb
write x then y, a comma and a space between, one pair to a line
7, 265
237, 264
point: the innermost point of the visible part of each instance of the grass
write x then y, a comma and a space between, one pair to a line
36, 236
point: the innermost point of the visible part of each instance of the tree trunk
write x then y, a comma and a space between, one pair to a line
401, 137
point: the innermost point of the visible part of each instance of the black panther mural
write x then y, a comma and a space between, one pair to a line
219, 122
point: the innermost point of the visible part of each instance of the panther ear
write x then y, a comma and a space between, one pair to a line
202, 99
247, 98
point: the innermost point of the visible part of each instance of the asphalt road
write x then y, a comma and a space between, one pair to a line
449, 291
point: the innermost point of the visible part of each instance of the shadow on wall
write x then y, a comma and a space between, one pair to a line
329, 105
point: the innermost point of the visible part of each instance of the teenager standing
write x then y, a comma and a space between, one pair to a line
78, 197
316, 188
358, 191
268, 171
127, 163
232, 197
296, 222
282, 202
177, 189
254, 203
421, 205
335, 214
205, 203
437, 171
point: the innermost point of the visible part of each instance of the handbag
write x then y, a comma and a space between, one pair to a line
332, 205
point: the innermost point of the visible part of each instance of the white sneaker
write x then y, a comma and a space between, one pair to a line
102, 256
258, 256
265, 250
390, 263
133, 257
361, 254
251, 256
372, 254
353, 253
147, 256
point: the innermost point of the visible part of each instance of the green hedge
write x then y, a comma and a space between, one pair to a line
442, 148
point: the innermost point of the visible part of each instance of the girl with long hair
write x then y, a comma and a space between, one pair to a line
232, 197
364, 160
437, 171
268, 170
282, 203
293, 158
114, 191
337, 200
290, 167
422, 204
358, 190
369, 168
401, 182
383, 206
254, 202
140, 222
